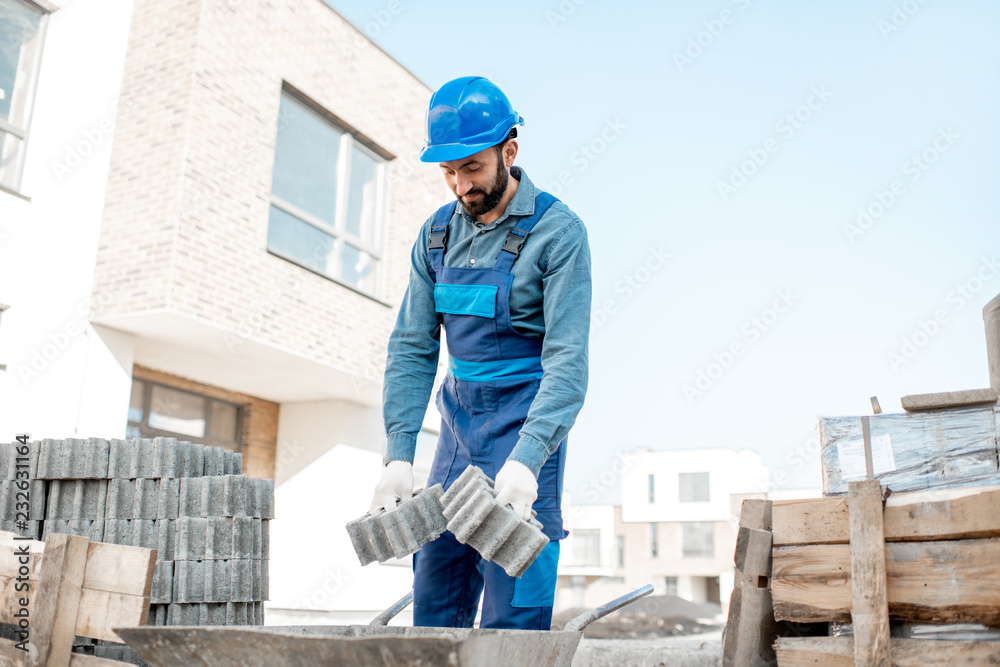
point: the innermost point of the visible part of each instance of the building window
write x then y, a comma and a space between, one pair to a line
586, 548
22, 26
654, 541
327, 197
156, 410
620, 550
697, 539
652, 489
693, 487
670, 586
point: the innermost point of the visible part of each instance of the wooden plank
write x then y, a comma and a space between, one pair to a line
99, 611
57, 599
870, 607
13, 657
756, 513
839, 652
114, 568
937, 514
750, 631
935, 582
948, 399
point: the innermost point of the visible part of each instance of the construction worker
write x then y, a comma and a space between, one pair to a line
505, 270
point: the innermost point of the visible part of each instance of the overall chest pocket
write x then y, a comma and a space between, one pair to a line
475, 300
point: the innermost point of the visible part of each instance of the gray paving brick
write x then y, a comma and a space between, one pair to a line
218, 581
237, 463
76, 499
215, 465
265, 540
163, 583
232, 613
228, 495
13, 494
158, 612
9, 459
499, 535
400, 531
217, 538
92, 530
33, 529
73, 459
146, 533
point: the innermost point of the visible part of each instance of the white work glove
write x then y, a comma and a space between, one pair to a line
395, 485
516, 486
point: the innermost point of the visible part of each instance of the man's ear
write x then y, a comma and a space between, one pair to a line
509, 152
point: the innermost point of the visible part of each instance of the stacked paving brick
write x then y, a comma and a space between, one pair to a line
190, 502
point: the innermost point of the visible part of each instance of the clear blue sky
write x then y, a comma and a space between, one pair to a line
829, 103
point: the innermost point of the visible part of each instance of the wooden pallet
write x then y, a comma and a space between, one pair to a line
75, 587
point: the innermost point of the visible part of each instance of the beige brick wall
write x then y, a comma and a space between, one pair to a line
186, 215
260, 419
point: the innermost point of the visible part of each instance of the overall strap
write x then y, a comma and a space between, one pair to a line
439, 235
517, 236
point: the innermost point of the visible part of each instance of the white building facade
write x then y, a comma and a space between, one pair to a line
206, 215
675, 528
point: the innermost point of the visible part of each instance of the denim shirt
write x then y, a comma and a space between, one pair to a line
550, 298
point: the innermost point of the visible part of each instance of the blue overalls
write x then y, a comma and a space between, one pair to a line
494, 374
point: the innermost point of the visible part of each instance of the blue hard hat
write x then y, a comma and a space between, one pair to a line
465, 116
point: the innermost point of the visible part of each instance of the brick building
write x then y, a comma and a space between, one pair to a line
206, 214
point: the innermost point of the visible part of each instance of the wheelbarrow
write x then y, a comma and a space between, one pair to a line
363, 645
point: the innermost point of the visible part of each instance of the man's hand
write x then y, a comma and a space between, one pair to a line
516, 486
395, 485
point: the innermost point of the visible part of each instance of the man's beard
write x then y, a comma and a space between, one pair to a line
491, 199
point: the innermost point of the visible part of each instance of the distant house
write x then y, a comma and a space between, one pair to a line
206, 215
675, 528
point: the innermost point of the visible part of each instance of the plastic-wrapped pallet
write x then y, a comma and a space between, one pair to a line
913, 451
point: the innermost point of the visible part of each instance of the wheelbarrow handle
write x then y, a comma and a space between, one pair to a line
586, 618
388, 614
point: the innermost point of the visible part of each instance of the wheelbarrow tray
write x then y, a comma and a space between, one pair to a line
362, 645
348, 646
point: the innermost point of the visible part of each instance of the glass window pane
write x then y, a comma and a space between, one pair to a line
587, 548
693, 487
18, 46
177, 411
301, 241
357, 268
361, 199
698, 539
225, 418
305, 160
135, 403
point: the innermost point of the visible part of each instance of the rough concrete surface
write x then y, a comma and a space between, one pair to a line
401, 531
695, 651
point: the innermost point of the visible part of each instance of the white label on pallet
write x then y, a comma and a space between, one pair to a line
852, 457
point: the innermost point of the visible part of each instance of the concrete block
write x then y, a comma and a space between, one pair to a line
227, 495
232, 613
163, 584
32, 529
499, 535
12, 495
216, 538
120, 459
133, 499
9, 460
217, 581
145, 533
158, 612
400, 531
265, 540
214, 462
92, 530
73, 459
76, 499
237, 463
